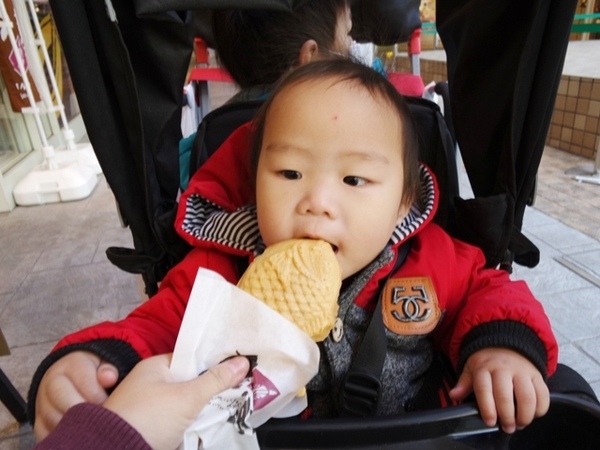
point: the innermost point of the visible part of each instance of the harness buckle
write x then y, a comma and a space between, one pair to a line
359, 394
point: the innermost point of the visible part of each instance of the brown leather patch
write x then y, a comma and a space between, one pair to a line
410, 306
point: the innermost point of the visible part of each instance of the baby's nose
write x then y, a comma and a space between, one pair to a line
318, 201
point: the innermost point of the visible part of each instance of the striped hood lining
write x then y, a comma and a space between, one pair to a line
208, 222
415, 217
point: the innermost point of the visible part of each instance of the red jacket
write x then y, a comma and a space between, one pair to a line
475, 307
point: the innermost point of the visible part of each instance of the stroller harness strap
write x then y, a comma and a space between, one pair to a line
361, 389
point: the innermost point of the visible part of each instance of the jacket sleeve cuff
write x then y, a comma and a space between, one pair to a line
508, 334
114, 351
91, 426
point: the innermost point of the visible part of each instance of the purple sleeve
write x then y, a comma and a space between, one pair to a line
91, 426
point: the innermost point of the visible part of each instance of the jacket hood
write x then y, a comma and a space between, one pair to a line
217, 209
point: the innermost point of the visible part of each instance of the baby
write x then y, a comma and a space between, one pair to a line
334, 156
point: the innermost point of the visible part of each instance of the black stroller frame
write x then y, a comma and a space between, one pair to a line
129, 91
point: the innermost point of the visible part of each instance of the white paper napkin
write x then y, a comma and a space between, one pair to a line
221, 321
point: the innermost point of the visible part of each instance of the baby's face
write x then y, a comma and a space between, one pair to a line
331, 168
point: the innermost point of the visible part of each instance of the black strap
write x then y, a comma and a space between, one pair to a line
361, 388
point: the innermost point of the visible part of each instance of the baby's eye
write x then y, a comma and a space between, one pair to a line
353, 180
291, 174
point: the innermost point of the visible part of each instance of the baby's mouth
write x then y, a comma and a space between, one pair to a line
333, 247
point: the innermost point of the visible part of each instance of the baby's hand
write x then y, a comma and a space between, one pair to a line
507, 386
75, 378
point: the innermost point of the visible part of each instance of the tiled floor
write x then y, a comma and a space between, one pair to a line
55, 277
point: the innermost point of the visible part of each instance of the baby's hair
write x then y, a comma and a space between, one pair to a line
258, 46
341, 70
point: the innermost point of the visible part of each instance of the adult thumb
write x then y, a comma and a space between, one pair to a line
221, 377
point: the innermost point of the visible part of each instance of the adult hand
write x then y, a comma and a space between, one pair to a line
75, 378
149, 393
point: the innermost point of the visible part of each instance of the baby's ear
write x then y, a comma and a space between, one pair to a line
308, 52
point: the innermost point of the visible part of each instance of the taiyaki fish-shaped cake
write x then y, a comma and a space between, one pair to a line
300, 279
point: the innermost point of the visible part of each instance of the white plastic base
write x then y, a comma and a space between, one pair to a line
65, 183
83, 154
593, 179
585, 174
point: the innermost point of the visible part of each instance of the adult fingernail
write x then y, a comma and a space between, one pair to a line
240, 365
